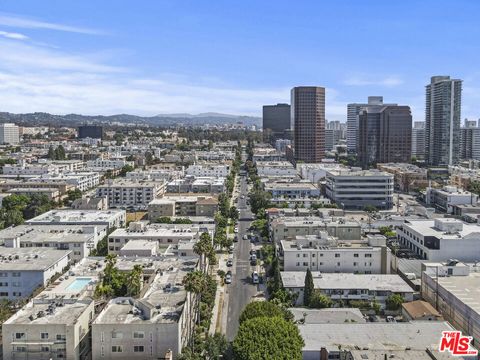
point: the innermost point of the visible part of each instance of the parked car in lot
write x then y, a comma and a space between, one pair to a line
230, 262
228, 278
255, 278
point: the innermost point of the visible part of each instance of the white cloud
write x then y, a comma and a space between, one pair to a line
12, 35
389, 81
30, 23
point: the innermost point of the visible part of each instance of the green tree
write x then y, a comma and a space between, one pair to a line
308, 289
234, 213
51, 153
60, 153
259, 200
12, 218
394, 302
164, 220
264, 308
319, 301
268, 338
215, 346
126, 169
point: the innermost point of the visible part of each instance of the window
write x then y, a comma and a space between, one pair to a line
15, 274
3, 293
19, 336
16, 293
102, 351
61, 337
368, 255
21, 349
16, 284
355, 255
45, 349
337, 255
117, 348
3, 274
138, 348
305, 264
313, 255
354, 264
138, 334
43, 336
117, 335
298, 255
3, 283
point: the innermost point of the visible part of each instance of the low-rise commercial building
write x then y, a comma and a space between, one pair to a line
24, 270
453, 288
441, 239
113, 218
445, 199
161, 320
346, 286
355, 189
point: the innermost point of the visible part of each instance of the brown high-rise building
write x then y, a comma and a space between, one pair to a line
308, 123
385, 135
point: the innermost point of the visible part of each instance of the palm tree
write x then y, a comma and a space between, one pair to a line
203, 248
194, 282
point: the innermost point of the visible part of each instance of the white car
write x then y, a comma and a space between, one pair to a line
255, 278
228, 278
235, 230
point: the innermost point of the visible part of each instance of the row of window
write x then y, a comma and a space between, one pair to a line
43, 336
336, 255
14, 274
119, 335
119, 349
338, 264
14, 284
5, 293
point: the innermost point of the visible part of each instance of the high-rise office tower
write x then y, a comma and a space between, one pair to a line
352, 120
9, 134
418, 140
276, 122
334, 133
442, 121
384, 135
308, 123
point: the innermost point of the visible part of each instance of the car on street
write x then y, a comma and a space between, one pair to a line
235, 239
255, 278
235, 230
245, 237
228, 278
230, 262
253, 259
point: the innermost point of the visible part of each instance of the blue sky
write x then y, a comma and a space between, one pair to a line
148, 57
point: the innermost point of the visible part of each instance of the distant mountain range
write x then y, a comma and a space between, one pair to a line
44, 119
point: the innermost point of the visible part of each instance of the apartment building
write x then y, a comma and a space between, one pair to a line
441, 239
9, 134
79, 239
49, 329
24, 270
163, 234
356, 189
291, 189
126, 193
195, 184
208, 170
406, 177
348, 286
316, 172
275, 168
159, 321
327, 255
453, 288
445, 199
284, 228
182, 206
113, 218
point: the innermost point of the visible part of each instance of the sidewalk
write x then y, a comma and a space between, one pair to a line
219, 308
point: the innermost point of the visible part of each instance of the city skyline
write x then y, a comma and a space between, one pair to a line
92, 60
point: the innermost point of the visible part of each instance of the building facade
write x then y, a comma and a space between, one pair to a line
276, 122
308, 118
442, 121
9, 134
90, 131
418, 140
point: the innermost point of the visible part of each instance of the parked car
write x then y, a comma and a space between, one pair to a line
235, 239
235, 230
255, 278
245, 237
228, 278
230, 262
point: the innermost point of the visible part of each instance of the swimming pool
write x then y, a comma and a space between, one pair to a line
79, 283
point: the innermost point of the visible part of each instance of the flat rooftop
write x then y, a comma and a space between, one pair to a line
77, 216
29, 259
162, 303
346, 281
328, 316
464, 288
289, 186
130, 183
427, 228
355, 172
38, 312
415, 335
51, 233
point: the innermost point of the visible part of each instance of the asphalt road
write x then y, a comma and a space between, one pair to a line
241, 290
